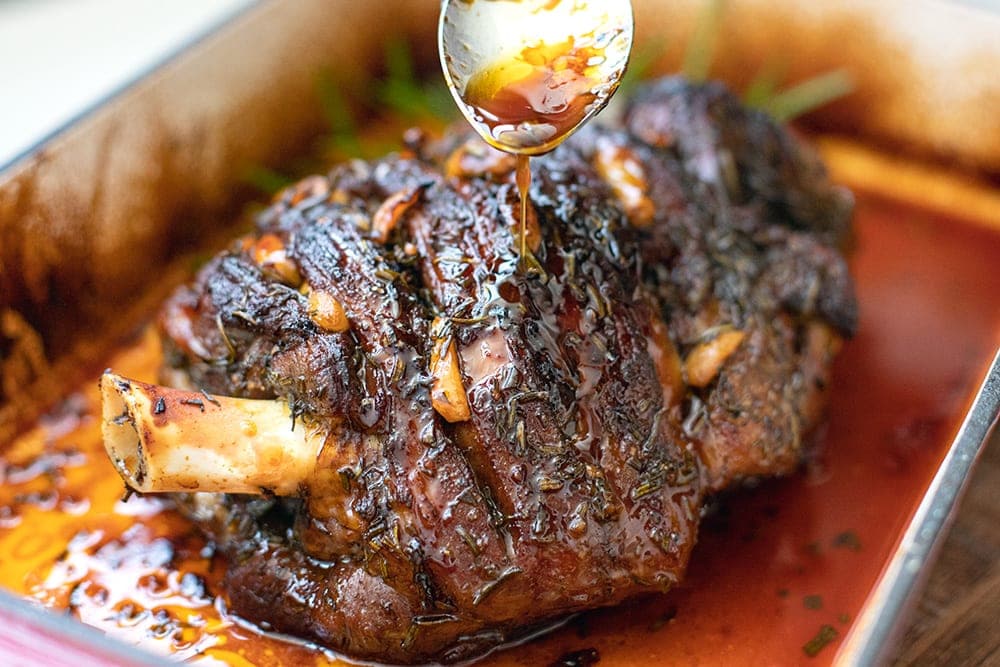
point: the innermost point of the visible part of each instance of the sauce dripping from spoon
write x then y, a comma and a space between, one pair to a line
523, 189
567, 61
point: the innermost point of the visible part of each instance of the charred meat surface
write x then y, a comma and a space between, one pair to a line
505, 447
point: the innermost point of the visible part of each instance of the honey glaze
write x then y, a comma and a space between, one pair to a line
530, 104
780, 572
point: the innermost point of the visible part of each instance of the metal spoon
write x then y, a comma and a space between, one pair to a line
528, 73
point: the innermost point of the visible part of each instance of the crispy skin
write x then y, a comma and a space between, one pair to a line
579, 478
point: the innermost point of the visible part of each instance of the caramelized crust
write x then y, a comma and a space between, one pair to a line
659, 348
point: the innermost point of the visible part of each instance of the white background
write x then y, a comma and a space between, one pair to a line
60, 57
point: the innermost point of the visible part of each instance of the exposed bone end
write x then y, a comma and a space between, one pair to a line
165, 440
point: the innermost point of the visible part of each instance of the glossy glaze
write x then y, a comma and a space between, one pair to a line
774, 564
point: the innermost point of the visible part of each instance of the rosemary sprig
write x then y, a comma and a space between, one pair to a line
762, 92
343, 130
640, 66
809, 95
404, 92
265, 179
701, 49
764, 86
401, 92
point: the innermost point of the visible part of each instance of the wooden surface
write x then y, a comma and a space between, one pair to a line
957, 621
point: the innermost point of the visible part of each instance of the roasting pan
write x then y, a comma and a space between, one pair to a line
99, 221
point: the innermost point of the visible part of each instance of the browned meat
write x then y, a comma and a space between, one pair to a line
511, 446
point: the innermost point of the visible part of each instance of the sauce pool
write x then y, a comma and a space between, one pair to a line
780, 573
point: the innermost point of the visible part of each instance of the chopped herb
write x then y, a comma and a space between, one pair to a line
434, 619
847, 540
645, 488
196, 402
814, 548
346, 478
783, 593
826, 635
844, 618
410, 636
387, 275
468, 539
548, 484
249, 319
491, 586
813, 602
210, 399
231, 350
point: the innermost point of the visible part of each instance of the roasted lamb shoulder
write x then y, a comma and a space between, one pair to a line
481, 448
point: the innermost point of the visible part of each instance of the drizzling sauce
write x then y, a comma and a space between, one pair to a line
530, 104
523, 186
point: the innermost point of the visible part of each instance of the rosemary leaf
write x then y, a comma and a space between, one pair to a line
339, 116
640, 66
402, 98
399, 60
400, 90
337, 112
701, 49
810, 95
439, 102
403, 92
265, 179
764, 85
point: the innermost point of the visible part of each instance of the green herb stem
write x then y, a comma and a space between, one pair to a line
701, 49
764, 86
265, 179
809, 95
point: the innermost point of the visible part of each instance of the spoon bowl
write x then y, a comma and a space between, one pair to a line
528, 73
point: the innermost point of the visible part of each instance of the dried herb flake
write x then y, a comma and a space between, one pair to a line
847, 540
826, 635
